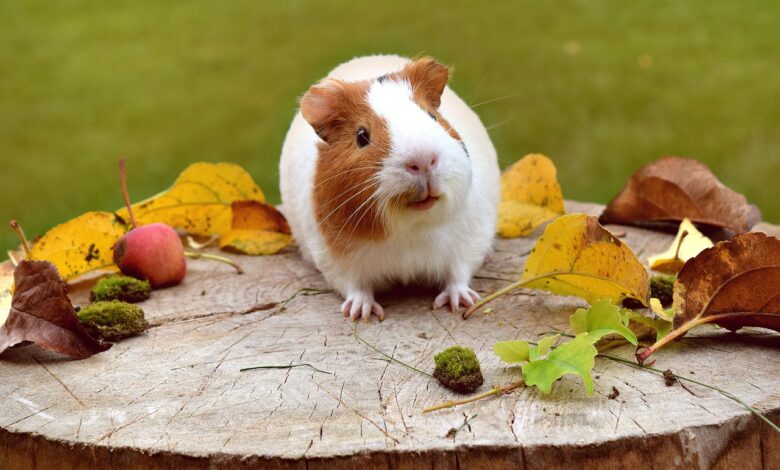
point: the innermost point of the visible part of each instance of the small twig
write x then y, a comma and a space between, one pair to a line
20, 233
223, 259
726, 394
497, 390
711, 387
285, 367
391, 358
125, 195
454, 431
12, 258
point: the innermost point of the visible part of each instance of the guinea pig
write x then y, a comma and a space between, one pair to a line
388, 177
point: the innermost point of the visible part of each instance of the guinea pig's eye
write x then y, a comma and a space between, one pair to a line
433, 116
362, 138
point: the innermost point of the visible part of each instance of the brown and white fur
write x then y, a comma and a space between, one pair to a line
412, 200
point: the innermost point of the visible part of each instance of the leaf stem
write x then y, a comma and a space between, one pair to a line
20, 233
497, 390
642, 356
291, 366
222, 259
391, 358
522, 283
125, 195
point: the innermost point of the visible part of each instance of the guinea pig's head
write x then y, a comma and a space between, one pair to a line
388, 158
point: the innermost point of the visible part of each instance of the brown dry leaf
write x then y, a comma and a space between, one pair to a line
42, 313
199, 200
530, 196
82, 244
734, 284
256, 229
673, 188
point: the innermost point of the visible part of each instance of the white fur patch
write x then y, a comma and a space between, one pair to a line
443, 245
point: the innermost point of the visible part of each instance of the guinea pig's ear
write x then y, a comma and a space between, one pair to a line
428, 79
319, 105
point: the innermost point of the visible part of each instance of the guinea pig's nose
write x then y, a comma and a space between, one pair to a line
421, 164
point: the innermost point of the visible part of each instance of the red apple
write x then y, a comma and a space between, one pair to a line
153, 252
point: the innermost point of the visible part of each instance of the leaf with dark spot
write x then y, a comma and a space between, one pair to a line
42, 313
673, 188
734, 284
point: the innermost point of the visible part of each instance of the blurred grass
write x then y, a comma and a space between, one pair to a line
600, 86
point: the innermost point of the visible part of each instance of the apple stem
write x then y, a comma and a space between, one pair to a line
20, 233
125, 195
221, 259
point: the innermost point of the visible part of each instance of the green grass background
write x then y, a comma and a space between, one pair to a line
600, 86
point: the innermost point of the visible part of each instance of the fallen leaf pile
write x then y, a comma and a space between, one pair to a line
530, 196
42, 313
671, 189
206, 199
734, 284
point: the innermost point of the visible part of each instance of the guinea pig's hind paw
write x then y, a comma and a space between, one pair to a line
456, 295
362, 306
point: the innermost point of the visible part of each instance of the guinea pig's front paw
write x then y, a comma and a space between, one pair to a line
362, 305
456, 295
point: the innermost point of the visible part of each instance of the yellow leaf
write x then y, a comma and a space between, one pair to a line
80, 245
530, 196
256, 229
658, 309
254, 242
577, 256
200, 198
518, 219
688, 243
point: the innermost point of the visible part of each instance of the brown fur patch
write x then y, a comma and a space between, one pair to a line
343, 183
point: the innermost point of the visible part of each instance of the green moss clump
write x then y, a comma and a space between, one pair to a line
662, 288
112, 320
458, 369
124, 288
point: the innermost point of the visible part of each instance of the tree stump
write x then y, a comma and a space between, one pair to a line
174, 397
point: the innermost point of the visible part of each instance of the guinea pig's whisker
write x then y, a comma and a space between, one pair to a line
493, 100
499, 124
357, 222
355, 212
365, 167
362, 184
366, 185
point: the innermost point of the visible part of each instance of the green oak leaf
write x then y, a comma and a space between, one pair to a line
601, 319
575, 357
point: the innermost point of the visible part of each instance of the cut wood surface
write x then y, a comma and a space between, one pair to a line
174, 397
